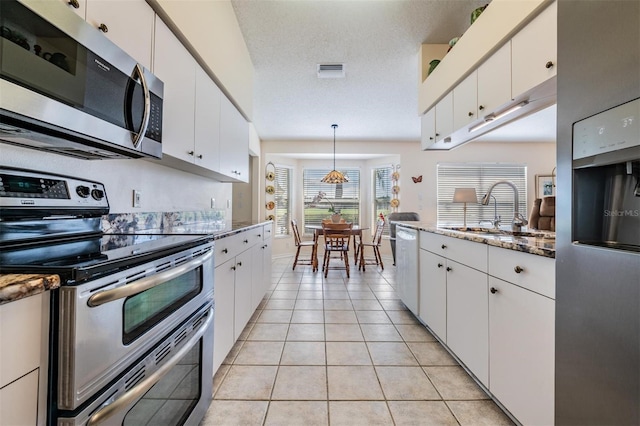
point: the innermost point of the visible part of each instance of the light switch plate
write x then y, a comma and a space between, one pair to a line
137, 198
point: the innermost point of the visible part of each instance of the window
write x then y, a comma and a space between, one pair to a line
480, 177
283, 200
344, 197
382, 186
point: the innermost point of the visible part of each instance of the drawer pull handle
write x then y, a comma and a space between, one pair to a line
259, 235
518, 269
440, 265
75, 4
225, 251
548, 65
443, 247
200, 156
470, 114
494, 290
246, 241
239, 264
103, 28
449, 268
481, 107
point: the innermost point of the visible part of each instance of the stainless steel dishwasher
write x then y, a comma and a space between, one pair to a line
407, 266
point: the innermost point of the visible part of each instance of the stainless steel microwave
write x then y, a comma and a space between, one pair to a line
67, 89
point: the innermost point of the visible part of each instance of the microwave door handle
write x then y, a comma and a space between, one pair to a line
146, 283
138, 70
139, 390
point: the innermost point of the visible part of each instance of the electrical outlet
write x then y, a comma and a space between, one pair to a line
213, 203
137, 198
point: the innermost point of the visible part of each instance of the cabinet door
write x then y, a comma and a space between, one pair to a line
19, 401
234, 142
243, 310
494, 81
428, 128
223, 337
521, 330
176, 68
465, 101
467, 318
207, 121
257, 275
534, 51
129, 25
433, 292
79, 7
444, 117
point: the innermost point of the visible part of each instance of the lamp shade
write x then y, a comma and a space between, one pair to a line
334, 176
465, 195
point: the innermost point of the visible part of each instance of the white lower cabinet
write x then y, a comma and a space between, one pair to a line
240, 279
497, 317
521, 330
467, 313
433, 293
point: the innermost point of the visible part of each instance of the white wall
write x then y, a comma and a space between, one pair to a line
419, 197
163, 188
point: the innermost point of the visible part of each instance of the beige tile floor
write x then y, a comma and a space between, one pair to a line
341, 351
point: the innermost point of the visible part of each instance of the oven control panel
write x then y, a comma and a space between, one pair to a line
31, 189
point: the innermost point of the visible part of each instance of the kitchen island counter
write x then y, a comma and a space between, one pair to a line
541, 246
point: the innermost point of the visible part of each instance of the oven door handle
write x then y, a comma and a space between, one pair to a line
146, 283
139, 390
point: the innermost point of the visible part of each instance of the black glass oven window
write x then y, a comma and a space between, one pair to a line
170, 401
144, 310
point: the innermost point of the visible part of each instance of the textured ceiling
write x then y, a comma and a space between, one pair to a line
378, 41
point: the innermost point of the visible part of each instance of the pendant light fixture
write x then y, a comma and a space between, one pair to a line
334, 176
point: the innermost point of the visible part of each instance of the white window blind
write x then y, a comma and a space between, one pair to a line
344, 197
480, 177
382, 184
283, 200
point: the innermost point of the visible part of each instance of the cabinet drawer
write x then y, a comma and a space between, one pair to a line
536, 273
267, 231
227, 248
468, 253
254, 235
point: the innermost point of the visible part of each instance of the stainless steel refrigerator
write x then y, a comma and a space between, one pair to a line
598, 213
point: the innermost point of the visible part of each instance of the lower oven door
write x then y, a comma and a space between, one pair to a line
170, 385
106, 324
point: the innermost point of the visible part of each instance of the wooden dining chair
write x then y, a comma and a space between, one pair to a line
375, 246
337, 237
312, 260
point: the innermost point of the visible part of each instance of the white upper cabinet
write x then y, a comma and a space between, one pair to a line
176, 68
129, 24
234, 142
428, 128
465, 101
494, 81
534, 51
207, 121
444, 117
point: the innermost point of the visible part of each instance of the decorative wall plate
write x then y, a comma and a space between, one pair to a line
395, 175
271, 205
394, 202
395, 189
271, 217
270, 176
270, 189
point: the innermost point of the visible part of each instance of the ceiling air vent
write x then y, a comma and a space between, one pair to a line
330, 70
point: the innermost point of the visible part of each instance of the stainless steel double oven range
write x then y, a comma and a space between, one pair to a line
132, 324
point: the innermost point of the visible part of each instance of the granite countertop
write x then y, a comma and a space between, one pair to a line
543, 244
18, 286
206, 228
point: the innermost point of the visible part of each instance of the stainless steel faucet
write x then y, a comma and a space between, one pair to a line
518, 220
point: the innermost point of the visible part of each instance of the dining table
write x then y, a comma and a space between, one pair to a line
356, 231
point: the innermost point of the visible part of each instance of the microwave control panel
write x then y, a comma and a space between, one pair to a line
612, 130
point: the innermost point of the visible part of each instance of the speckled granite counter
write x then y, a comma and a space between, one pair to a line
19, 286
544, 245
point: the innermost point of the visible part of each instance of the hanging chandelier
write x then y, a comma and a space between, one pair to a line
334, 176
